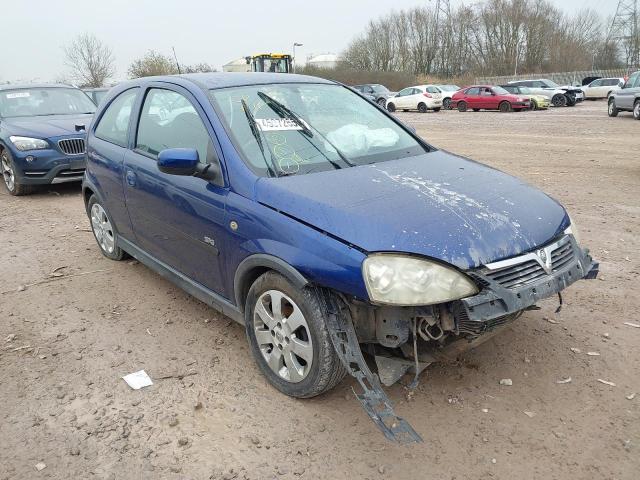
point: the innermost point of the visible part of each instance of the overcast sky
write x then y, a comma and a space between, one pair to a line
34, 32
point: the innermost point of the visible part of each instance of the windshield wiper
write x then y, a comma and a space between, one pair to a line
256, 134
286, 112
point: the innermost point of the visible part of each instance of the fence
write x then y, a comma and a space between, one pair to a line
562, 78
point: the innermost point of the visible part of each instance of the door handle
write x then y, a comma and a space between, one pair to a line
131, 178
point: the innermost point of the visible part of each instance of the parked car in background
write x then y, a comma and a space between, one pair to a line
420, 97
488, 97
447, 93
96, 94
284, 241
626, 99
561, 96
538, 102
379, 92
42, 134
602, 88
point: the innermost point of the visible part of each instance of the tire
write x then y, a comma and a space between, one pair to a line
8, 169
612, 110
608, 93
476, 109
559, 100
391, 107
422, 108
405, 109
381, 102
636, 110
571, 100
462, 106
103, 230
436, 109
446, 103
533, 105
271, 337
505, 107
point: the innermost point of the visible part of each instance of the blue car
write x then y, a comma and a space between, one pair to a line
322, 223
42, 135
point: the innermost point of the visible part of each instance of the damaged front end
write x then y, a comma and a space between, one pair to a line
400, 340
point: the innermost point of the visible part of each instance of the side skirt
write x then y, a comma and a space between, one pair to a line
193, 288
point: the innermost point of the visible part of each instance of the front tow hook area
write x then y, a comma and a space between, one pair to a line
373, 398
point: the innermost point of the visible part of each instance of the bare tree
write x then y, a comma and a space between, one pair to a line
91, 62
153, 63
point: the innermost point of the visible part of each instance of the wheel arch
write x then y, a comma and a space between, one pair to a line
255, 265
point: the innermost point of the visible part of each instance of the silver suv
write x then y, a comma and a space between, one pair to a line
627, 99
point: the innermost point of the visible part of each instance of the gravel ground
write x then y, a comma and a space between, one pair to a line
65, 343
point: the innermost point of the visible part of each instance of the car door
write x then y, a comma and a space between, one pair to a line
179, 220
472, 97
488, 99
626, 95
401, 98
106, 146
594, 89
414, 98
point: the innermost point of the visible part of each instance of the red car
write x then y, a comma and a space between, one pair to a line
487, 97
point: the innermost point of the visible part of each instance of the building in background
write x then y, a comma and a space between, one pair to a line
238, 65
326, 60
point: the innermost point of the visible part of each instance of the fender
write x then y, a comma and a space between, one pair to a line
262, 261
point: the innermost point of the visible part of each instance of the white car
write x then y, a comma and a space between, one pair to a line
561, 95
420, 97
602, 87
447, 93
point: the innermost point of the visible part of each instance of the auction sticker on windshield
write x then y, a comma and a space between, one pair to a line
18, 95
277, 124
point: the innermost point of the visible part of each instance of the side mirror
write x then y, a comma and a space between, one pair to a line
185, 162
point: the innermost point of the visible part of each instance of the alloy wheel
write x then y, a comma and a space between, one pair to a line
636, 111
283, 336
7, 173
102, 228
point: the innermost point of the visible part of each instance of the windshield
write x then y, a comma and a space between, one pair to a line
379, 88
500, 91
449, 88
290, 129
30, 102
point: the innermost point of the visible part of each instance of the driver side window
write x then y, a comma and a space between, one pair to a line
169, 120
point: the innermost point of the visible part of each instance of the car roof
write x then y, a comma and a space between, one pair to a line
215, 80
20, 86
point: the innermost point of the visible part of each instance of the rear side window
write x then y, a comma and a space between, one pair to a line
433, 90
114, 124
169, 120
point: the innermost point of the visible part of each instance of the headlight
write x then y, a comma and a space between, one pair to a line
28, 143
402, 280
573, 230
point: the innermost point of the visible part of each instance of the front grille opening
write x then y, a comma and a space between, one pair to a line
72, 146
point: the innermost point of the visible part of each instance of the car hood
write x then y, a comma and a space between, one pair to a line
438, 205
46, 126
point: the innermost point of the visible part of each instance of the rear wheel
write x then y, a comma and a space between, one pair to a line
446, 103
559, 100
462, 106
636, 110
391, 107
505, 107
422, 108
103, 230
9, 176
533, 105
289, 339
612, 110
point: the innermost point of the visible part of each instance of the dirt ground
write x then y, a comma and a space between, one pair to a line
66, 342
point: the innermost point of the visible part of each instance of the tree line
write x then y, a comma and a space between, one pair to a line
91, 63
493, 37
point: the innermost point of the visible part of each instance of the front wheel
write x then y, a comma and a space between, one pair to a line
559, 100
103, 230
9, 176
462, 106
381, 102
391, 107
289, 339
612, 109
571, 100
505, 107
636, 110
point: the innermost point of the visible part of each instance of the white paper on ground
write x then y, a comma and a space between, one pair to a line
137, 380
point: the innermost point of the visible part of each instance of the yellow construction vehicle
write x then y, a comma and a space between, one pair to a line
270, 62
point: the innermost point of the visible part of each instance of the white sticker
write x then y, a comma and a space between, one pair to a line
18, 95
277, 124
